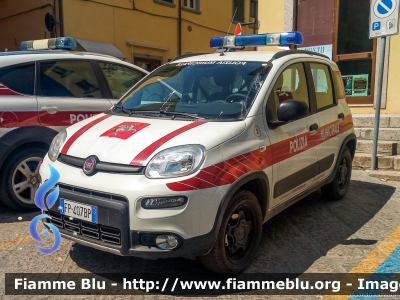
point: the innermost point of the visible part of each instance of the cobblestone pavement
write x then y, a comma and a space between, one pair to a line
312, 236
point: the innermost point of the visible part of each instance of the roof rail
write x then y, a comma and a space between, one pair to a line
188, 54
294, 51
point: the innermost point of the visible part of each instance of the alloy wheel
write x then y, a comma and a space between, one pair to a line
26, 179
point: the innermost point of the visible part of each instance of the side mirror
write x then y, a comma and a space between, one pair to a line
290, 110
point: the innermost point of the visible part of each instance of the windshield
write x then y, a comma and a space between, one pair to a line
205, 89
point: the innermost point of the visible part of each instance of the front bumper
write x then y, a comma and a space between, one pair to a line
112, 233
124, 227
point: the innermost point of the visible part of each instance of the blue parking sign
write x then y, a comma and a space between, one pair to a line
376, 26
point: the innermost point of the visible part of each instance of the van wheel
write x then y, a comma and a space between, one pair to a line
20, 179
336, 189
239, 236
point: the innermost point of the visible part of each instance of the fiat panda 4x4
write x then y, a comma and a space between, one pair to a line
201, 152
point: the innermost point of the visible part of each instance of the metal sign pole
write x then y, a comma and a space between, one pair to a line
374, 161
383, 21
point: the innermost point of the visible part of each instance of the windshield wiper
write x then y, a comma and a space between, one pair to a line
158, 112
183, 114
123, 109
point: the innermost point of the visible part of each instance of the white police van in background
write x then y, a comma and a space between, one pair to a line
41, 93
204, 150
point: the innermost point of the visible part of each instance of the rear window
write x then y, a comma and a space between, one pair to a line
119, 78
339, 88
19, 78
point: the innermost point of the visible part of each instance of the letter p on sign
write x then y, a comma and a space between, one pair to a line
376, 26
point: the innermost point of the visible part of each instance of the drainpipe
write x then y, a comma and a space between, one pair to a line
179, 27
61, 17
295, 12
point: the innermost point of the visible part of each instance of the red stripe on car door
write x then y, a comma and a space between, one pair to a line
228, 171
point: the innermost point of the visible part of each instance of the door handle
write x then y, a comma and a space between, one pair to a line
50, 109
341, 116
314, 128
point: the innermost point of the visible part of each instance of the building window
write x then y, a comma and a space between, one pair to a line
253, 9
238, 10
345, 38
191, 4
169, 3
355, 52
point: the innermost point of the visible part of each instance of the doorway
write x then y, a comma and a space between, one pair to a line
147, 63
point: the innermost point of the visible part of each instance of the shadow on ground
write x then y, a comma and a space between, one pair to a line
8, 215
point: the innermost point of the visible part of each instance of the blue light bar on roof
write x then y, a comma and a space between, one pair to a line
55, 43
251, 40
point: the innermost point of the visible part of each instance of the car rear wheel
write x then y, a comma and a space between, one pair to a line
20, 179
239, 236
336, 189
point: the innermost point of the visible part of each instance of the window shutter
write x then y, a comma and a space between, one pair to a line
238, 6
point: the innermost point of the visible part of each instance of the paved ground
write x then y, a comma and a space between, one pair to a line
314, 236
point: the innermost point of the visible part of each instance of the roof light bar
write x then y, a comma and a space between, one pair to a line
268, 39
46, 44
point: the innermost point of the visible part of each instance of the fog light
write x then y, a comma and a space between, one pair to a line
167, 242
163, 202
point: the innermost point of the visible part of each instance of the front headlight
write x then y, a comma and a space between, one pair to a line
176, 162
56, 144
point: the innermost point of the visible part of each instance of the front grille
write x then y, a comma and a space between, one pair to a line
98, 232
102, 166
79, 190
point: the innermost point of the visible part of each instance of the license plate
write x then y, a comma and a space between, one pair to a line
78, 210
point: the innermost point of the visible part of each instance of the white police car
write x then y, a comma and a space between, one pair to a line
204, 150
41, 93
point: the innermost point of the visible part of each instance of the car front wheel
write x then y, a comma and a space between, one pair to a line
239, 236
20, 179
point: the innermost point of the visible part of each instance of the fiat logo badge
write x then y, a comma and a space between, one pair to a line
89, 167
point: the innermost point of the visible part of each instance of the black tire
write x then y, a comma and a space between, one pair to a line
336, 189
20, 168
231, 255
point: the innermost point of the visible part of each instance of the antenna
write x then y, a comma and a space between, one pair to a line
229, 29
234, 14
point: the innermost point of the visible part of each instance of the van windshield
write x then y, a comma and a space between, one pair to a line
205, 89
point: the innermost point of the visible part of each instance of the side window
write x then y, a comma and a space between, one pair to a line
19, 78
119, 78
68, 78
323, 85
291, 84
